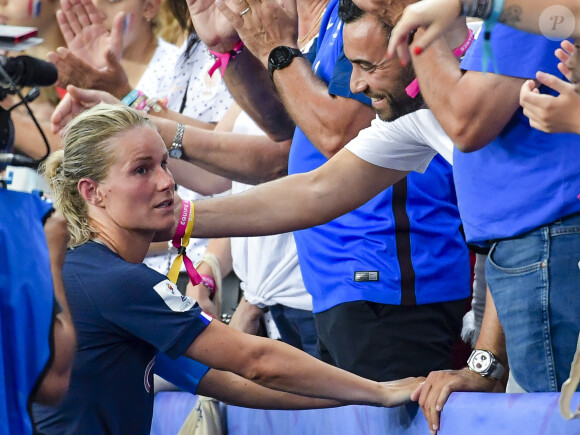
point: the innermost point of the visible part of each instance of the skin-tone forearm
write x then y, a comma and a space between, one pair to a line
246, 158
234, 390
295, 202
472, 107
491, 336
56, 380
221, 248
258, 97
279, 366
246, 318
330, 122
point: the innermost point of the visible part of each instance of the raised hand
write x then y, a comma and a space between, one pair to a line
211, 26
86, 36
74, 102
436, 16
265, 25
72, 70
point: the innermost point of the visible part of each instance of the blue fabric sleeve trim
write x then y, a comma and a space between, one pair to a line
182, 372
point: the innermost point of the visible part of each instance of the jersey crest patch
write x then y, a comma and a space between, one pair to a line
172, 297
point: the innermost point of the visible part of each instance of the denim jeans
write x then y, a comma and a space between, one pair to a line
534, 280
296, 327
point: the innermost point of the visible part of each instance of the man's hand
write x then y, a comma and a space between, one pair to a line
75, 101
72, 70
434, 392
246, 318
265, 26
82, 26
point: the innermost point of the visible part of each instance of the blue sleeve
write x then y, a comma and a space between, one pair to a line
516, 53
153, 309
182, 372
340, 81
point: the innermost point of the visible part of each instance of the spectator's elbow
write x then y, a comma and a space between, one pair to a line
466, 136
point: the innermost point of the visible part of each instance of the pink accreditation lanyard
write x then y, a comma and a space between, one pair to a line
413, 88
180, 241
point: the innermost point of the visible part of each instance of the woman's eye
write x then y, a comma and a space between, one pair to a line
141, 171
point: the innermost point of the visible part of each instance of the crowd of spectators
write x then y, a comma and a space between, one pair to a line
379, 175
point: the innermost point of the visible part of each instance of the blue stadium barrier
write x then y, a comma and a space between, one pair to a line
465, 413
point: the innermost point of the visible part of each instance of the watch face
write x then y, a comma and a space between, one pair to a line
481, 361
280, 56
175, 152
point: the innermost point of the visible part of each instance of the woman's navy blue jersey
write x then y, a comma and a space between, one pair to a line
123, 314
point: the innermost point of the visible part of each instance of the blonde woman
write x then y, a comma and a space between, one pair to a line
112, 184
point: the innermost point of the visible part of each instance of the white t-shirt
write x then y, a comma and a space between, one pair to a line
267, 266
408, 143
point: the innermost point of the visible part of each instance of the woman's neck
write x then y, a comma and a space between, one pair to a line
136, 57
131, 246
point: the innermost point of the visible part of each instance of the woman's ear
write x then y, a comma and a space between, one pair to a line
151, 9
89, 191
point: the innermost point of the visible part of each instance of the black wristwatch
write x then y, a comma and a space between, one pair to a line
280, 57
484, 363
176, 150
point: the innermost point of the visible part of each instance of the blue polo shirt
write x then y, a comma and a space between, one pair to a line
26, 305
404, 246
524, 178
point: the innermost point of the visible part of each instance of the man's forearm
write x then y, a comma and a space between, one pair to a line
295, 202
329, 122
248, 159
491, 336
258, 96
472, 107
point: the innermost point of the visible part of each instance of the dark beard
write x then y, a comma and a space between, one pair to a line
401, 107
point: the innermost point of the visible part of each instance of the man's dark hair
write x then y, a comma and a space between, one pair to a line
348, 12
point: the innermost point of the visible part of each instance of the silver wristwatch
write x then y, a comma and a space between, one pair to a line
484, 363
176, 150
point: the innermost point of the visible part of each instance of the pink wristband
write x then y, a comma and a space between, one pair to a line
413, 88
222, 59
186, 207
209, 282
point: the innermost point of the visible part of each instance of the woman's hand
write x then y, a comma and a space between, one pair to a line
74, 102
436, 16
85, 34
